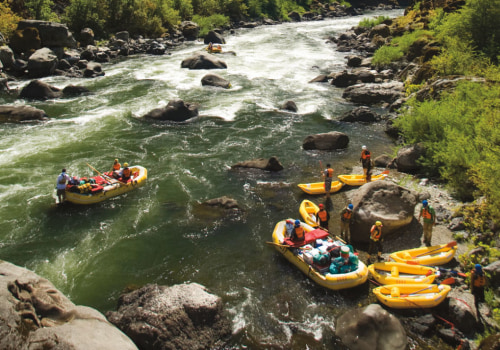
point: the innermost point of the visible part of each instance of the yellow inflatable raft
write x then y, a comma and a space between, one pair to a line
409, 296
319, 187
308, 212
301, 257
400, 273
359, 179
435, 255
106, 187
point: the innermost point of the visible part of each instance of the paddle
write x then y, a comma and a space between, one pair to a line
449, 245
461, 274
385, 172
286, 245
104, 176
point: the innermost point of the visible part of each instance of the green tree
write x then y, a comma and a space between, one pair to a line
41, 10
93, 14
8, 19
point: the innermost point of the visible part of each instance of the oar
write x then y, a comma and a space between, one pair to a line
455, 272
385, 172
104, 176
334, 235
286, 245
451, 244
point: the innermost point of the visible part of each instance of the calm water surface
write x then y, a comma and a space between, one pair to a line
159, 233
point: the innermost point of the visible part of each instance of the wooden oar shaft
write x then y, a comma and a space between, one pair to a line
104, 176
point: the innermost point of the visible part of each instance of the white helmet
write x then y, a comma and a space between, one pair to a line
364, 147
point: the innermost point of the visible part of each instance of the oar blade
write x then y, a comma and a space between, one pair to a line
449, 281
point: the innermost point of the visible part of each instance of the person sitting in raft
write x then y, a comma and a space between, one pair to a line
126, 173
345, 263
115, 169
289, 228
298, 233
210, 46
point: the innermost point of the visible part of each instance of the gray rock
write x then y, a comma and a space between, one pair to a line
203, 61
18, 114
290, 106
52, 34
190, 30
183, 316
216, 80
73, 90
6, 56
327, 141
86, 37
360, 114
35, 315
372, 93
494, 270
271, 164
39, 90
176, 110
381, 201
42, 63
408, 156
222, 202
92, 70
214, 38
462, 312
371, 328
322, 78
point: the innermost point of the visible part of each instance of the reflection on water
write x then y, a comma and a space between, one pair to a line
159, 233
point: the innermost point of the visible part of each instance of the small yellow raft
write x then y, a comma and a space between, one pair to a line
308, 212
216, 48
409, 296
360, 179
108, 187
319, 187
400, 273
301, 259
434, 255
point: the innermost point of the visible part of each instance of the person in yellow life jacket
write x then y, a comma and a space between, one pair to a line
429, 220
345, 222
477, 283
115, 169
298, 233
322, 217
328, 175
365, 159
376, 241
126, 172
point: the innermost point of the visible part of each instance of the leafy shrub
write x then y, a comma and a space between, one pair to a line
41, 10
386, 54
208, 23
8, 19
408, 38
372, 22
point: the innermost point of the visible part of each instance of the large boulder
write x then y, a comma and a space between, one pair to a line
381, 201
19, 114
39, 90
35, 315
190, 30
42, 63
25, 40
176, 110
86, 37
373, 93
203, 61
214, 38
462, 312
183, 316
271, 164
52, 34
7, 57
360, 114
371, 328
327, 141
216, 80
408, 156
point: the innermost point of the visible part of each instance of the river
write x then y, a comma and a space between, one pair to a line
159, 233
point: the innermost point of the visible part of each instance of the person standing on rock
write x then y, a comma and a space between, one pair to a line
427, 212
345, 221
61, 186
322, 217
477, 284
328, 175
376, 241
365, 159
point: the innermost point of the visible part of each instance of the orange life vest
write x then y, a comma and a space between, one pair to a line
126, 173
479, 281
323, 215
329, 172
299, 232
116, 166
347, 215
376, 232
365, 154
426, 214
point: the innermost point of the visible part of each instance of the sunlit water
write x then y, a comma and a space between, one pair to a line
159, 233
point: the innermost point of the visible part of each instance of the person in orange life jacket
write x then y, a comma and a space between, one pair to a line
322, 217
376, 240
345, 263
345, 221
477, 283
365, 159
328, 175
125, 173
61, 186
298, 233
115, 169
427, 212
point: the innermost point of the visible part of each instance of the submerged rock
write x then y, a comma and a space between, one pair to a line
271, 164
